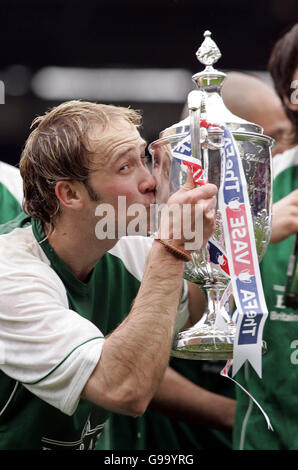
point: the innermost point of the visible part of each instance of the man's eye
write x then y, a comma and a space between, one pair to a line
124, 167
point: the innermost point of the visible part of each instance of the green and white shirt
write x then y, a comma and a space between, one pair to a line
11, 192
52, 329
277, 391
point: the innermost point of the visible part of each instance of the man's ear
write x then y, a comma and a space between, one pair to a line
69, 194
293, 106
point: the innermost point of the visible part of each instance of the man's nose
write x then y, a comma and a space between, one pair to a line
148, 182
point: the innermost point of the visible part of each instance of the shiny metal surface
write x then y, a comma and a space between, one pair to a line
213, 339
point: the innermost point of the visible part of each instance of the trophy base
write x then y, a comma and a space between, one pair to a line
209, 344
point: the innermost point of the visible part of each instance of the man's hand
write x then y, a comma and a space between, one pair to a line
188, 219
285, 217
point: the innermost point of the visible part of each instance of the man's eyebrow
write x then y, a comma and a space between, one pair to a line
143, 145
118, 156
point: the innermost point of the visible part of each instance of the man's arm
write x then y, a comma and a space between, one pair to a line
181, 399
135, 355
131, 363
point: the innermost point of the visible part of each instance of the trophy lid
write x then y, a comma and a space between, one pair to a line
210, 81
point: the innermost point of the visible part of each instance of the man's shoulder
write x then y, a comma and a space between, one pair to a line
23, 260
20, 221
18, 243
133, 251
9, 172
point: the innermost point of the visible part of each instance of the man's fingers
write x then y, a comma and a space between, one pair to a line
209, 206
189, 183
206, 191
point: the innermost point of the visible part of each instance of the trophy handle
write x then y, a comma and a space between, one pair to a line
195, 105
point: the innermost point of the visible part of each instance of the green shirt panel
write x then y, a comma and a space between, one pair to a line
9, 206
31, 424
277, 391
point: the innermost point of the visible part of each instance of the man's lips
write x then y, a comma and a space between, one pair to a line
151, 198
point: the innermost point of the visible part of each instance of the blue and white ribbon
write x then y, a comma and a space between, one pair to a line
243, 259
182, 155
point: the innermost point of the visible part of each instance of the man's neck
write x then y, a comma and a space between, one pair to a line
77, 248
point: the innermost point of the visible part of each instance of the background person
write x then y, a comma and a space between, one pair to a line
277, 390
252, 99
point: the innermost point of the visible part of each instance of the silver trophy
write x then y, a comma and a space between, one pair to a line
213, 336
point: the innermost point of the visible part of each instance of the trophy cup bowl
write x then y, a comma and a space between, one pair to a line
213, 336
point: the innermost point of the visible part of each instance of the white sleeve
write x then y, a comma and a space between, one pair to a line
284, 160
11, 178
63, 386
133, 252
46, 346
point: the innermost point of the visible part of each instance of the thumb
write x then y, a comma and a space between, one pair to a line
189, 183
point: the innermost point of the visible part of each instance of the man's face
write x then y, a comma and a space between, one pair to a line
124, 174
277, 126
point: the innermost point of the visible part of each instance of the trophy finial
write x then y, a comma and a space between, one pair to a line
208, 53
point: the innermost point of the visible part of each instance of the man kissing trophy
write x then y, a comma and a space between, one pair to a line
223, 149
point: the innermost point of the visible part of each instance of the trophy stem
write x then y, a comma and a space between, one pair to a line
214, 295
211, 338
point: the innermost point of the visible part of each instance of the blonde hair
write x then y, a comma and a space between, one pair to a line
59, 148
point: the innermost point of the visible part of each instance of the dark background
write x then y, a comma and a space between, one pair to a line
126, 34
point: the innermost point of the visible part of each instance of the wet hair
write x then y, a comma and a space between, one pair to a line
282, 65
61, 148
